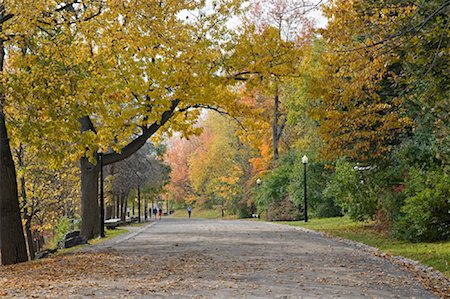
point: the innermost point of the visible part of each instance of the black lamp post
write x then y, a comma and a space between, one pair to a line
102, 199
304, 161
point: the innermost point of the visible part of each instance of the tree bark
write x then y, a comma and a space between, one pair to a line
123, 208
90, 220
12, 240
90, 210
277, 125
117, 206
27, 215
276, 117
30, 241
139, 203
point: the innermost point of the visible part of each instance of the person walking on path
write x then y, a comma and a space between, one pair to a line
155, 213
189, 209
160, 214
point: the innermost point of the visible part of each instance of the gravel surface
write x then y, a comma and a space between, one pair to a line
179, 258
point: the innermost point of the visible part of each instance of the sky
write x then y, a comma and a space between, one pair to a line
234, 22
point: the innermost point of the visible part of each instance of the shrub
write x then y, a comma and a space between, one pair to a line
426, 212
283, 210
286, 181
64, 226
274, 186
353, 192
319, 205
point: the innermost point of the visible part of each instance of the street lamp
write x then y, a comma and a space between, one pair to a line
304, 161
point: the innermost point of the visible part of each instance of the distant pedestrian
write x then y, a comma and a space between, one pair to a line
160, 214
189, 209
155, 212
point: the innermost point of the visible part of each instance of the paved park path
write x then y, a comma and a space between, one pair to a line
181, 258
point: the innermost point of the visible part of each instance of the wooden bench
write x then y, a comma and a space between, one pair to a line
72, 239
113, 223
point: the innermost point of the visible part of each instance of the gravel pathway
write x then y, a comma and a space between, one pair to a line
181, 258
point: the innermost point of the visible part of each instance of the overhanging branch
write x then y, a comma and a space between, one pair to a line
137, 143
218, 110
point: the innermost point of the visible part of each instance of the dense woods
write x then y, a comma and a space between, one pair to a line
213, 104
365, 98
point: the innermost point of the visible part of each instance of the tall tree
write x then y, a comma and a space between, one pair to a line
270, 50
123, 83
361, 117
178, 154
12, 241
219, 167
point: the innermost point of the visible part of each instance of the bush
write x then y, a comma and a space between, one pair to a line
326, 208
283, 210
319, 205
286, 181
353, 191
274, 186
64, 226
426, 212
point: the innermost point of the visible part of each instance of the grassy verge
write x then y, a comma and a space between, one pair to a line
109, 234
202, 213
436, 255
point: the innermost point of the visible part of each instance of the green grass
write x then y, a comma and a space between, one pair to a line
436, 255
202, 213
109, 234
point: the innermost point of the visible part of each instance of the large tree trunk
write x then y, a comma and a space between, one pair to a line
90, 211
12, 241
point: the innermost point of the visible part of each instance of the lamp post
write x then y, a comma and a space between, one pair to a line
304, 161
102, 199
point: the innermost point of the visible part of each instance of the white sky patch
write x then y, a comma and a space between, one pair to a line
235, 21
320, 19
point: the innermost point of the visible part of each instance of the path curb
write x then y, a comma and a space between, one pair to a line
430, 278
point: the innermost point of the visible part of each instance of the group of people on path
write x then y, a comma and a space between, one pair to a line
158, 212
